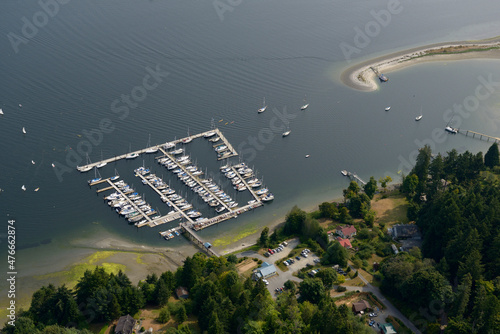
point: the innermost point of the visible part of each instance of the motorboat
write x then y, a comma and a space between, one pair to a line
215, 139
177, 151
418, 118
344, 172
451, 130
220, 148
262, 191
220, 209
168, 145
267, 197
286, 133
387, 108
209, 134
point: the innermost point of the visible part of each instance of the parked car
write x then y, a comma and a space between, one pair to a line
267, 254
317, 260
298, 258
285, 263
265, 281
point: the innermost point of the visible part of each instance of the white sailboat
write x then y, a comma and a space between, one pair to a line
305, 105
264, 107
95, 179
23, 188
1, 111
102, 164
131, 155
153, 149
188, 139
84, 168
387, 108
24, 130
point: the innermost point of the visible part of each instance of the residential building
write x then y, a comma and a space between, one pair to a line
360, 306
344, 242
125, 325
346, 231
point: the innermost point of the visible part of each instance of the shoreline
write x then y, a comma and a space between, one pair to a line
362, 77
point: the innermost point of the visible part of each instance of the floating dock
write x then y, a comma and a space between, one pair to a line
174, 142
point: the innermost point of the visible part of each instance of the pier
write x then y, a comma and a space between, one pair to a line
195, 178
355, 177
479, 136
257, 198
197, 240
174, 142
128, 199
165, 199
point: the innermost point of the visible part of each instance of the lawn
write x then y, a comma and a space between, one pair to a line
391, 209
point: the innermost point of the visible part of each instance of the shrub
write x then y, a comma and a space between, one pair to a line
341, 288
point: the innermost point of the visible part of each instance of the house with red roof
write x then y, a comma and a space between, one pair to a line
344, 242
346, 231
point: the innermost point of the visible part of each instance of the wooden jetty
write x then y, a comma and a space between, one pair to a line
355, 177
479, 136
128, 200
174, 142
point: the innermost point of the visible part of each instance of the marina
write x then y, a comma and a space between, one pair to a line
128, 203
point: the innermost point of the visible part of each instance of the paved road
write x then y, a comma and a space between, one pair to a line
389, 308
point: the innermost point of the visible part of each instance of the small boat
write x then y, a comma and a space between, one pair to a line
418, 118
383, 78
305, 105
95, 179
344, 172
116, 177
188, 139
209, 134
24, 130
264, 107
307, 155
53, 165
131, 156
220, 148
262, 191
268, 197
451, 130
153, 149
83, 169
387, 108
252, 202
220, 209
23, 188
215, 139
37, 189
168, 145
1, 111
286, 133
102, 164
32, 162
20, 105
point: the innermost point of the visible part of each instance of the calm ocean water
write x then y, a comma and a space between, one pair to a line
72, 72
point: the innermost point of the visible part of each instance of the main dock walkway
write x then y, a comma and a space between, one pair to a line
175, 142
479, 136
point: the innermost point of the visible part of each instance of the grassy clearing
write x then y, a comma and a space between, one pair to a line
391, 209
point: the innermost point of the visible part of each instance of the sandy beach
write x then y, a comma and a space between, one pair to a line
362, 77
